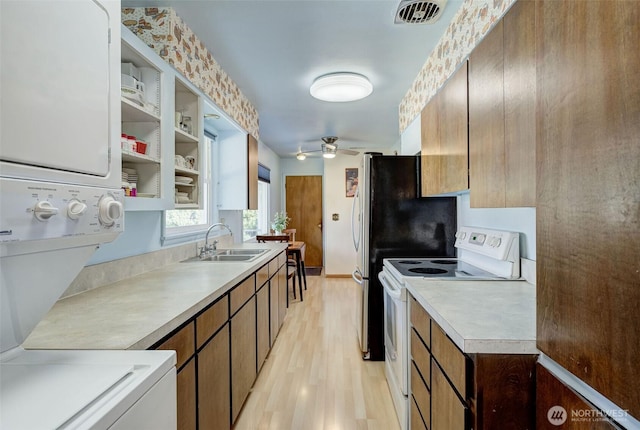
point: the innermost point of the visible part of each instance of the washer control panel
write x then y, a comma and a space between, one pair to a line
32, 210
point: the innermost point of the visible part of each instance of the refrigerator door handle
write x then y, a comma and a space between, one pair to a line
356, 239
357, 276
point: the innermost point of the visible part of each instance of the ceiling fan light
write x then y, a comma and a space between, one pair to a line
341, 87
301, 156
329, 150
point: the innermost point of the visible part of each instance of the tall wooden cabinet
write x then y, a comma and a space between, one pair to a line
444, 123
502, 108
588, 206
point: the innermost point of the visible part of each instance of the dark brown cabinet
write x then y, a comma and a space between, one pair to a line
214, 389
444, 137
263, 340
502, 110
588, 213
243, 355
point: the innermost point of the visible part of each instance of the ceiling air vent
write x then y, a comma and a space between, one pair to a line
419, 11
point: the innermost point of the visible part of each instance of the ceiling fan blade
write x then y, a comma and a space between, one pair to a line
348, 151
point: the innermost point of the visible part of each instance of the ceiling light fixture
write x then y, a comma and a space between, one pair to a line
301, 156
341, 87
329, 150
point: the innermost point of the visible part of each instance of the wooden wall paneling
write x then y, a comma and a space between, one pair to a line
486, 122
520, 105
588, 213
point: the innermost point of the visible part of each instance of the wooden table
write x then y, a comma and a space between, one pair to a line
296, 250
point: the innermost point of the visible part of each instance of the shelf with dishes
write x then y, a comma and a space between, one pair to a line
186, 191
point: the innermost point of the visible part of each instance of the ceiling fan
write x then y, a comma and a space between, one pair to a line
329, 149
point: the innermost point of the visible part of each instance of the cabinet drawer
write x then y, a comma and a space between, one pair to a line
450, 358
421, 357
242, 292
421, 321
282, 258
182, 342
262, 276
211, 320
421, 395
273, 266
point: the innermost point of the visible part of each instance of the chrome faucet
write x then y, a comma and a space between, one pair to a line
206, 249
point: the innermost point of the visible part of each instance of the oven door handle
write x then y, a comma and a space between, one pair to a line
389, 286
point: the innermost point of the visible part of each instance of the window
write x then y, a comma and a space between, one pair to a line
184, 221
256, 222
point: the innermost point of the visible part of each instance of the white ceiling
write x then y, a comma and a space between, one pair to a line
274, 50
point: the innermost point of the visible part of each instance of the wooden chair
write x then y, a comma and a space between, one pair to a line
291, 263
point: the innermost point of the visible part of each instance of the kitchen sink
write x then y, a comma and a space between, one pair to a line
229, 255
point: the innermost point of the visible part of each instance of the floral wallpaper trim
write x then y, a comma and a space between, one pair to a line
472, 22
167, 34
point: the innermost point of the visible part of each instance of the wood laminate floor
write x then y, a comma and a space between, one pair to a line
314, 377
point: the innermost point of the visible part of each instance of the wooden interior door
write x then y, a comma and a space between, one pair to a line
304, 207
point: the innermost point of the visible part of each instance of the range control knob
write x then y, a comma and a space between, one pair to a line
109, 210
44, 210
76, 209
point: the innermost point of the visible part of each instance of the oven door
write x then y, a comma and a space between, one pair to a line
395, 327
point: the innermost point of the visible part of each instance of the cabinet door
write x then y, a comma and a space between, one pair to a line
447, 411
520, 105
588, 176
445, 166
186, 396
555, 404
282, 294
243, 355
274, 311
262, 317
486, 121
214, 389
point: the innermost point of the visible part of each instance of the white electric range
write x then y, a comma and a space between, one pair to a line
483, 255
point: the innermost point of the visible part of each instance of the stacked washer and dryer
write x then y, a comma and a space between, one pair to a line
60, 198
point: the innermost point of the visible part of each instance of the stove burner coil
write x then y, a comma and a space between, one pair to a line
409, 262
428, 271
445, 261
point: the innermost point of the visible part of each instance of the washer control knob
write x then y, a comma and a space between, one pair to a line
76, 209
109, 210
44, 210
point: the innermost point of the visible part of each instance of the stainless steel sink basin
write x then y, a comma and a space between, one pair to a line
239, 251
230, 255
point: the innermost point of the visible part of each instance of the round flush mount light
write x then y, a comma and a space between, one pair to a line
341, 87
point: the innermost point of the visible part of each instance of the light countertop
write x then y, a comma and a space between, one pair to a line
496, 317
138, 312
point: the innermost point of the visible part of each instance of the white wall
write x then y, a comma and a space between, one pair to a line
339, 254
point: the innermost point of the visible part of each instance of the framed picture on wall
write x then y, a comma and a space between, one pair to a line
351, 180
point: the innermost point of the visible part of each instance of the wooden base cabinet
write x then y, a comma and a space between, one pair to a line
451, 390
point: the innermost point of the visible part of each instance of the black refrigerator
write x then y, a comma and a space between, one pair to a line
390, 219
